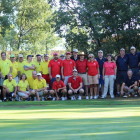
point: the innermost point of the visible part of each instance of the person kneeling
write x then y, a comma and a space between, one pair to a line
40, 87
129, 85
59, 89
9, 88
75, 86
23, 87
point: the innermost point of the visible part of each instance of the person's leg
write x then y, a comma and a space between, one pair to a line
95, 89
135, 88
91, 90
80, 92
118, 82
64, 93
106, 86
52, 80
111, 84
23, 95
70, 92
102, 89
45, 93
48, 81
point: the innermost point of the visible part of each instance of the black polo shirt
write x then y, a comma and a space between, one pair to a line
72, 57
101, 62
133, 60
122, 63
131, 81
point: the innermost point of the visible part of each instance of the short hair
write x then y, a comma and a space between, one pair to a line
130, 70
3, 53
91, 55
22, 75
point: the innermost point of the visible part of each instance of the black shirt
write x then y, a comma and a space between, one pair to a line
131, 81
72, 57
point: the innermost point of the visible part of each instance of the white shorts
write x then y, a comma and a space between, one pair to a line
21, 94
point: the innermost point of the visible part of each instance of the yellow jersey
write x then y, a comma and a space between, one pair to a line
23, 86
15, 69
30, 81
39, 84
44, 67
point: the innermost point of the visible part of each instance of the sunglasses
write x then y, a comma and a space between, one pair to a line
91, 57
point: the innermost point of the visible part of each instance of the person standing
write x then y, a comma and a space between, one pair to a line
62, 57
38, 62
16, 70
109, 76
81, 66
93, 75
75, 56
21, 64
122, 67
54, 67
44, 69
29, 66
100, 59
67, 67
5, 69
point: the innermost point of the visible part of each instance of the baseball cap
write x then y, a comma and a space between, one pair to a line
39, 74
30, 56
12, 55
132, 48
55, 53
75, 50
38, 55
20, 55
109, 54
62, 55
100, 51
68, 53
46, 55
74, 70
122, 49
57, 76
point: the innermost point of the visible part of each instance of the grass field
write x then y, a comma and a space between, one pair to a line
109, 119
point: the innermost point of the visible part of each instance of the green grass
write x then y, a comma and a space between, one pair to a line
109, 119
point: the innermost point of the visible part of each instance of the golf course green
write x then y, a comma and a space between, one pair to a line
102, 119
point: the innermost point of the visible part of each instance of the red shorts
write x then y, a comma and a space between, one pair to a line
47, 78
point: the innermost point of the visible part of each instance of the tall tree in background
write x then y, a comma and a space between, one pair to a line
108, 24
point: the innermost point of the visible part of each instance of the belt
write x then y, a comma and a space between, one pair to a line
82, 73
134, 68
122, 70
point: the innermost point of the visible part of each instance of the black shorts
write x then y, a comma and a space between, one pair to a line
121, 75
9, 94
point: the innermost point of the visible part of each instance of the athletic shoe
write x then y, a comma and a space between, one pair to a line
63, 98
136, 95
28, 99
87, 97
124, 96
34, 98
5, 100
0, 100
49, 97
103, 97
16, 99
95, 97
112, 96
53, 99
10, 99
79, 98
91, 97
43, 99
72, 98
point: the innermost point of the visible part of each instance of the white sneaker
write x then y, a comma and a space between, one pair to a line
112, 96
95, 97
43, 99
125, 96
0, 100
103, 97
87, 97
63, 98
34, 98
135, 95
53, 99
49, 96
72, 98
79, 98
91, 97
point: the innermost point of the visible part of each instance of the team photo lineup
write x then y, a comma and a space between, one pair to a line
70, 76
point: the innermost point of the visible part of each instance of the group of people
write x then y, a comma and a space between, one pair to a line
69, 76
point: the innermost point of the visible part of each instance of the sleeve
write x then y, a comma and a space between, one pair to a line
125, 80
80, 80
114, 65
69, 80
44, 83
62, 64
97, 64
15, 84
63, 84
104, 65
4, 83
49, 64
54, 86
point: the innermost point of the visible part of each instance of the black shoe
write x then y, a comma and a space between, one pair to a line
117, 95
10, 99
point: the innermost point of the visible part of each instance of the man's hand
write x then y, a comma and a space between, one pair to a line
2, 76
129, 89
58, 89
103, 77
63, 77
98, 76
75, 90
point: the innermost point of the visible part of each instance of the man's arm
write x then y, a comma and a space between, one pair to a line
62, 73
11, 69
122, 88
69, 84
80, 86
50, 73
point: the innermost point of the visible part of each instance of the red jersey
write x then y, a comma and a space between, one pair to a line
55, 67
75, 82
109, 68
57, 85
68, 66
92, 68
81, 66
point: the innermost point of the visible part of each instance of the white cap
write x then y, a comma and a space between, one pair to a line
100, 51
57, 76
75, 50
132, 48
74, 70
122, 49
39, 74
20, 55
